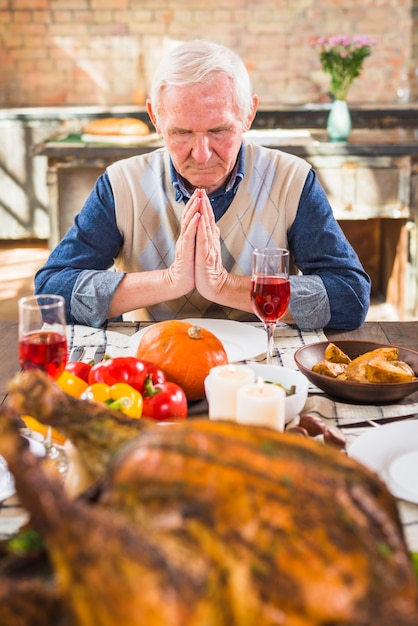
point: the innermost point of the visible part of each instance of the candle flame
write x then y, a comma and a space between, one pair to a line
231, 367
260, 384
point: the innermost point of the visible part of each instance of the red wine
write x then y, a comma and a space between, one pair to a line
270, 296
43, 350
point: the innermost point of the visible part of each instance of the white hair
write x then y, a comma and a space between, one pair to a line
196, 61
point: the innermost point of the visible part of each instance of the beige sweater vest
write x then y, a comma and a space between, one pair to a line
148, 217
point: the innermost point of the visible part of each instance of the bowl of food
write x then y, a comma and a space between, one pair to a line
294, 383
362, 372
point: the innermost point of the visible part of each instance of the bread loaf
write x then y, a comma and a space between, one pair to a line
117, 126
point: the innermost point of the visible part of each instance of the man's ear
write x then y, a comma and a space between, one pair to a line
251, 116
152, 115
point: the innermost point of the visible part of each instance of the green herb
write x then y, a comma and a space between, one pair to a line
414, 557
288, 392
25, 542
384, 549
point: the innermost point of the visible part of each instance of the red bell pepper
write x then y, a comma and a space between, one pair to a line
120, 369
164, 401
156, 373
80, 369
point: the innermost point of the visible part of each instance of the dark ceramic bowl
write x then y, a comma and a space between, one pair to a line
360, 393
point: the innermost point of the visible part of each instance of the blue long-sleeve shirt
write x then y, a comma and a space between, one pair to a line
332, 292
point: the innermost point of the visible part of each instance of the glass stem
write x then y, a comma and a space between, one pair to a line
270, 343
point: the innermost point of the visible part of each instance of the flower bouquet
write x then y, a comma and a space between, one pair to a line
342, 57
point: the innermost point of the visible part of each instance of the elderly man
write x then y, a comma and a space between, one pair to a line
178, 225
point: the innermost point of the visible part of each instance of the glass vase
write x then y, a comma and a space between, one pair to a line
339, 121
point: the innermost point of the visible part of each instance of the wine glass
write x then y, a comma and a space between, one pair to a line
42, 334
270, 289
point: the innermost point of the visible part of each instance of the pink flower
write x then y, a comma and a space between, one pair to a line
342, 57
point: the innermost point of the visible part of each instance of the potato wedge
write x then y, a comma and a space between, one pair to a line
381, 371
376, 366
356, 370
328, 368
334, 354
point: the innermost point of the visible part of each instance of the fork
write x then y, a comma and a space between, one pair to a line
255, 359
76, 354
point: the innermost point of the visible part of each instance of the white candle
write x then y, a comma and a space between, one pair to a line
262, 404
223, 384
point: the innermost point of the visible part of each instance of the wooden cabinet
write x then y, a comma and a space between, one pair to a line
382, 246
370, 197
365, 186
69, 185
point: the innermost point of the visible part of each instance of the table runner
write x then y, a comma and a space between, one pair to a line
287, 340
343, 414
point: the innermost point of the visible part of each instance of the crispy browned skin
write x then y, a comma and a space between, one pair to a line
215, 523
96, 431
110, 572
305, 528
30, 602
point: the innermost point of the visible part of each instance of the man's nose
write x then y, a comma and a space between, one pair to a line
201, 149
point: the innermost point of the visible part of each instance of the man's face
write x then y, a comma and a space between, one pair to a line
202, 129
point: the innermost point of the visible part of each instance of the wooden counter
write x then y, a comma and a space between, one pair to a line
24, 205
362, 142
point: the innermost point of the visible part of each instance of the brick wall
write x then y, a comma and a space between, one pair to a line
75, 52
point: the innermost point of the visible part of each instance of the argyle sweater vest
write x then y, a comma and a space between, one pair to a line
148, 217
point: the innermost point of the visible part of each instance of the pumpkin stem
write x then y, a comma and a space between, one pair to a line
194, 332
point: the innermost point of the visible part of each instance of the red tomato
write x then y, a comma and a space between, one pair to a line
80, 369
164, 402
120, 369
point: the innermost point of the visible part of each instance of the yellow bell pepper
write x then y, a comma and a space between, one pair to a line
119, 396
71, 384
42, 429
99, 392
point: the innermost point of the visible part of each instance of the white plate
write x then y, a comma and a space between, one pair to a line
7, 485
380, 447
403, 474
241, 341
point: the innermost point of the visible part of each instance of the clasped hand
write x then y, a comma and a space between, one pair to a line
198, 262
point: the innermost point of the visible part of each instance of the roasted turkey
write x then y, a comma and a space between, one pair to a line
212, 523
95, 429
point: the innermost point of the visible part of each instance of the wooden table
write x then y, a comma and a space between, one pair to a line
401, 333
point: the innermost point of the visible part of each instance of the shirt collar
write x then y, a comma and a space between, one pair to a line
236, 177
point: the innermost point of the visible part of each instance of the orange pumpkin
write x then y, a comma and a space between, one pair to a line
185, 352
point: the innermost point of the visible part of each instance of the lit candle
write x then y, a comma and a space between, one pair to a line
223, 384
262, 404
